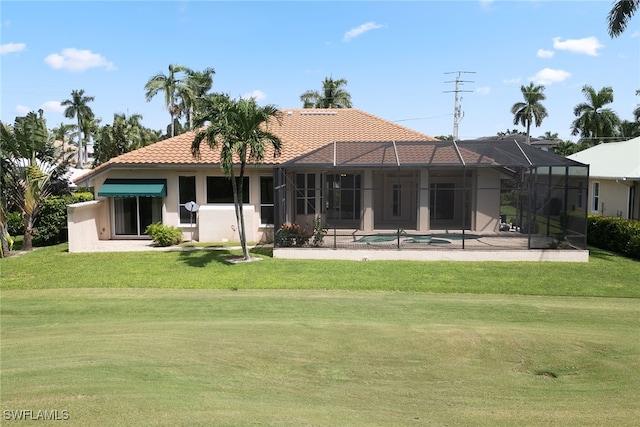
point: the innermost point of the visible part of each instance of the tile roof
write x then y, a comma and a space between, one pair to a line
301, 131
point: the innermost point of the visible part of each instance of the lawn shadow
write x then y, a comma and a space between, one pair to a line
605, 255
201, 257
204, 257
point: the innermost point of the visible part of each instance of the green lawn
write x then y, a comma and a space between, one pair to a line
183, 338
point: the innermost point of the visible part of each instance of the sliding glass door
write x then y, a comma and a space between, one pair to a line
132, 215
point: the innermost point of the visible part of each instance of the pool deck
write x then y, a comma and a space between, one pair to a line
501, 246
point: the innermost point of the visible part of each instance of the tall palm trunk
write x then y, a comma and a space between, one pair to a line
4, 241
27, 244
238, 192
80, 151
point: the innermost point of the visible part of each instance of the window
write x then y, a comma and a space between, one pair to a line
343, 196
220, 190
134, 214
596, 197
442, 201
186, 194
266, 200
397, 200
305, 193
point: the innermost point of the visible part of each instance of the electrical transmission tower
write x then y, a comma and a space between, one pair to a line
458, 114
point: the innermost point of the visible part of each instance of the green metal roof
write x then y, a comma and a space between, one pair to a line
133, 188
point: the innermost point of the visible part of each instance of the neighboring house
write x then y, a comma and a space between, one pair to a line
614, 178
355, 170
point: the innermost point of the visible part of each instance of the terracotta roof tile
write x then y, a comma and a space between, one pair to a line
301, 130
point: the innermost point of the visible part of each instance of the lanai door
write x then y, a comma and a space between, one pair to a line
395, 201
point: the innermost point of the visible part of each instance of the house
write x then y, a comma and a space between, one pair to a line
358, 172
614, 178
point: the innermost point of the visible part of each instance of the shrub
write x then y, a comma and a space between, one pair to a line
15, 224
319, 231
614, 234
51, 222
291, 235
164, 235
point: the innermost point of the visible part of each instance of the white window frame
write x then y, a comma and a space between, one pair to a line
595, 197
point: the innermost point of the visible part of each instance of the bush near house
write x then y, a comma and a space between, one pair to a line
164, 235
51, 223
614, 234
292, 235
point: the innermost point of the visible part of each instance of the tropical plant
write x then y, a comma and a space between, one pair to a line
620, 15
628, 130
123, 135
240, 129
595, 123
28, 169
636, 111
63, 133
332, 95
77, 108
531, 110
565, 148
171, 84
198, 84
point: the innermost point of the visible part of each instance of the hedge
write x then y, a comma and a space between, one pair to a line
614, 234
51, 222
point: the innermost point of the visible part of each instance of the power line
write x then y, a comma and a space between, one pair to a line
458, 114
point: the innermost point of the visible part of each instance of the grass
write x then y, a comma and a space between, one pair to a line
184, 338
604, 275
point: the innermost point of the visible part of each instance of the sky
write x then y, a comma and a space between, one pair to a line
400, 58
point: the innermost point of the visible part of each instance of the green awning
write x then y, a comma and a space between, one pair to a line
113, 187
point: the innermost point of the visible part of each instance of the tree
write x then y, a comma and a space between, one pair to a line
240, 129
620, 15
332, 95
63, 133
124, 135
595, 123
636, 111
531, 110
565, 148
28, 169
171, 85
198, 84
77, 108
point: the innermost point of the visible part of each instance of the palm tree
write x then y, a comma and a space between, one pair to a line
620, 15
239, 129
636, 111
531, 110
171, 85
332, 95
595, 123
77, 108
565, 148
198, 84
61, 133
28, 156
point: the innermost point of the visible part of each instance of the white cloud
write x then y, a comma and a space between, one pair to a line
635, 34
12, 47
73, 59
512, 81
52, 107
257, 94
545, 53
358, 31
548, 76
22, 110
483, 90
588, 45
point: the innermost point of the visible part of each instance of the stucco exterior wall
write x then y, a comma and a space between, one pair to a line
487, 215
83, 225
614, 198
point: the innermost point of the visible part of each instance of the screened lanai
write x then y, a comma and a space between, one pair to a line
477, 194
